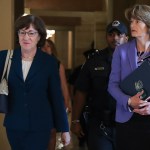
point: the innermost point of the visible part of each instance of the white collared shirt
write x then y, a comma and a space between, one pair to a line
25, 68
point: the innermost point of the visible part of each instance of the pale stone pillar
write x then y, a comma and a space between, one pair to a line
109, 10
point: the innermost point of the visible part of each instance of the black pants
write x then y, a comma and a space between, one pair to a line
97, 138
134, 134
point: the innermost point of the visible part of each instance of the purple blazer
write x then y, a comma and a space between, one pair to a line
123, 63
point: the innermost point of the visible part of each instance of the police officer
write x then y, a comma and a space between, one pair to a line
93, 81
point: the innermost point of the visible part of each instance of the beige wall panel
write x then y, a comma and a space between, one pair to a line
67, 5
4, 145
6, 24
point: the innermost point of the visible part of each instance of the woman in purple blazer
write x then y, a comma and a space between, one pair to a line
133, 122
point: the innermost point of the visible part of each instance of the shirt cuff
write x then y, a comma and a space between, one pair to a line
129, 107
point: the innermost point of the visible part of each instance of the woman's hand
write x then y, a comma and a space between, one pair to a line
65, 138
144, 108
139, 106
68, 108
135, 101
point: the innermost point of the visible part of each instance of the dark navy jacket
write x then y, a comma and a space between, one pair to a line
36, 103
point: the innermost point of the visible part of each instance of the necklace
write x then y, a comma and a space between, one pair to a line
142, 56
28, 58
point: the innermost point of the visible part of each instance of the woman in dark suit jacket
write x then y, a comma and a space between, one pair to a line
35, 99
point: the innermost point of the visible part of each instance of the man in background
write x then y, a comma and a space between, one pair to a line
93, 81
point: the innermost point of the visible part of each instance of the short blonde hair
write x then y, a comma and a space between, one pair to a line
139, 12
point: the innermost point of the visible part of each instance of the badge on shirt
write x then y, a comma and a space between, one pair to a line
99, 68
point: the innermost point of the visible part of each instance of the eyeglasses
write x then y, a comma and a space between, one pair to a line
30, 33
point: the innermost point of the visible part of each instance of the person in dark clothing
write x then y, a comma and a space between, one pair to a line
93, 81
83, 117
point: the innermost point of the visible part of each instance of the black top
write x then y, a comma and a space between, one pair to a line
74, 75
93, 79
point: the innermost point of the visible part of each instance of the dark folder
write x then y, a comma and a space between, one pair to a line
137, 81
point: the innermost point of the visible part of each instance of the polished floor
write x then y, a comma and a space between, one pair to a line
73, 145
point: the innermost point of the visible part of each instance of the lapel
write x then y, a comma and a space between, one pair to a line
16, 64
132, 53
36, 65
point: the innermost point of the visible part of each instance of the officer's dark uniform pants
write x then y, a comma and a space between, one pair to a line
28, 140
97, 138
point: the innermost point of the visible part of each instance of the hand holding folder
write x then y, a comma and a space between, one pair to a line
137, 81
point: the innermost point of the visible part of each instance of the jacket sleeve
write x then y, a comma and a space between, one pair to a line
2, 61
57, 100
115, 79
